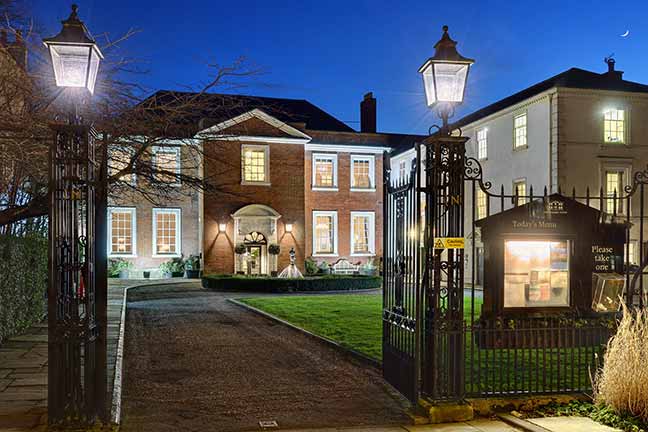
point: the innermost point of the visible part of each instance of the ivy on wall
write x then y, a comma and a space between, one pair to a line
23, 282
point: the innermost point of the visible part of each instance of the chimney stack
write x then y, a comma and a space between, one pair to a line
612, 73
368, 114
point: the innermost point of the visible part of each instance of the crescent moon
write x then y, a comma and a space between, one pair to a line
627, 32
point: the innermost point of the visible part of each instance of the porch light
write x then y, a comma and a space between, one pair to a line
222, 227
75, 55
445, 74
289, 227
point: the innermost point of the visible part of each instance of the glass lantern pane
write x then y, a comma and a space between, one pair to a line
450, 81
428, 82
70, 65
94, 68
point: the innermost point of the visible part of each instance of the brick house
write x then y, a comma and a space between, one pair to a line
277, 171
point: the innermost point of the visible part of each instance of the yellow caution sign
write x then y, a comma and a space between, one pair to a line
449, 243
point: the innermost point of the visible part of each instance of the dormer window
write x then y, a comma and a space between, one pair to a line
614, 126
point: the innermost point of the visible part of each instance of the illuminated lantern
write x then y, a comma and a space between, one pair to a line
75, 55
445, 74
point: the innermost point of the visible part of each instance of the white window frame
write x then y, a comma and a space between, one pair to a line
402, 169
624, 139
633, 251
133, 212
126, 151
178, 241
372, 233
526, 131
266, 149
482, 143
626, 172
372, 172
522, 198
479, 194
168, 150
334, 215
329, 156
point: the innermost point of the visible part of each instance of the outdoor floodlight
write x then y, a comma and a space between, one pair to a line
222, 227
289, 227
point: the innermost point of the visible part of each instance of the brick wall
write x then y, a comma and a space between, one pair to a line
226, 195
344, 201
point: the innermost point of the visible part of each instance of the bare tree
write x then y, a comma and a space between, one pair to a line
132, 124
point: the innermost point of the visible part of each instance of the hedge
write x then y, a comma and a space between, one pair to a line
281, 285
23, 283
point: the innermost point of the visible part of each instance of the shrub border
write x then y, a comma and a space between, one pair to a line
236, 283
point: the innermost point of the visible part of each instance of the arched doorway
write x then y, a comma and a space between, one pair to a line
255, 226
256, 257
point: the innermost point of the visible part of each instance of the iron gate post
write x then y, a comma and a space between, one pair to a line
75, 369
444, 360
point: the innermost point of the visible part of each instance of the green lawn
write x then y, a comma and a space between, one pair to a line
353, 320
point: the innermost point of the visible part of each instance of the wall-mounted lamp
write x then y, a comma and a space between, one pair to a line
289, 227
222, 227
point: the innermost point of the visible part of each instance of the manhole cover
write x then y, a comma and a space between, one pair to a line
268, 424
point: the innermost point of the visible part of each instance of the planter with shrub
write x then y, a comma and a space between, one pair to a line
192, 267
119, 268
274, 250
280, 285
173, 268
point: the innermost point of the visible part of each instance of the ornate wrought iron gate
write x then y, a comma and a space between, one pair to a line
434, 343
402, 291
77, 379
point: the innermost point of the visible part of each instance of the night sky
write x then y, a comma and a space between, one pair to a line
332, 52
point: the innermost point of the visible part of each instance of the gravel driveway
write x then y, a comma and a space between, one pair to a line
194, 361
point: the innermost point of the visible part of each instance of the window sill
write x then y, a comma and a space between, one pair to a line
482, 159
368, 254
324, 189
363, 189
249, 183
121, 256
325, 255
521, 148
166, 256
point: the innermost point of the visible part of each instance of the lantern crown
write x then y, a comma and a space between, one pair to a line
446, 49
73, 31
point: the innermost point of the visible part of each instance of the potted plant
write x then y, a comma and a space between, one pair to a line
324, 268
274, 250
192, 267
173, 268
239, 250
147, 274
119, 267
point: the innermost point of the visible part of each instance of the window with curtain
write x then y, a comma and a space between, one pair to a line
254, 164
362, 233
166, 232
324, 233
614, 126
121, 225
362, 172
325, 171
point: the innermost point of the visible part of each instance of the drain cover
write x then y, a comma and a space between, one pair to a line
268, 424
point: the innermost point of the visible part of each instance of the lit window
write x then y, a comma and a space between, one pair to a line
121, 232
254, 164
166, 232
520, 131
614, 126
324, 171
482, 204
363, 233
632, 254
167, 164
362, 172
324, 233
519, 192
119, 160
482, 143
614, 188
536, 273
402, 169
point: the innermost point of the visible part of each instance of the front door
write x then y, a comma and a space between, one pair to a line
254, 260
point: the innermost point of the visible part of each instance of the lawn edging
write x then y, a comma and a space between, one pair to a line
239, 283
323, 339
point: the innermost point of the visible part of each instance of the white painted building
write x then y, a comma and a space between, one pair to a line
578, 129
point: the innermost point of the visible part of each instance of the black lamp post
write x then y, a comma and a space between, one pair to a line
76, 293
444, 77
444, 157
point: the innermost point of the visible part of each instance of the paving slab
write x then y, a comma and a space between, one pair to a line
488, 425
443, 427
571, 424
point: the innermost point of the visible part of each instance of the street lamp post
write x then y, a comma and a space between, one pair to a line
443, 156
77, 289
